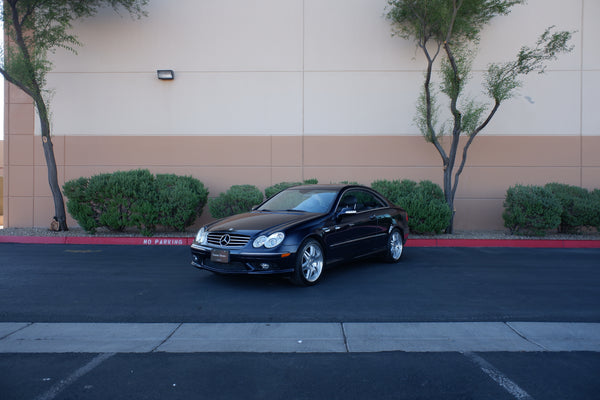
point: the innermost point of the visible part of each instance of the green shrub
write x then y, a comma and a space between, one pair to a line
273, 190
180, 200
80, 204
134, 198
115, 201
395, 190
424, 202
595, 220
579, 207
236, 200
127, 198
531, 210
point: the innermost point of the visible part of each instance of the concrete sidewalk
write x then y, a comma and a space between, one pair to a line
297, 337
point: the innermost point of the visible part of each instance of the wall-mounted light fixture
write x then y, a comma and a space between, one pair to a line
165, 74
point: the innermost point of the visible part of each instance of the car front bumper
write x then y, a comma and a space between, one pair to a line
240, 262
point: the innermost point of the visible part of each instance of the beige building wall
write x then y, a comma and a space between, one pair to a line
281, 90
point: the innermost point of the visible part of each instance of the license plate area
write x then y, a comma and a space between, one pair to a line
220, 256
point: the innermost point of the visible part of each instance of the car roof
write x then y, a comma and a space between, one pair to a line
335, 186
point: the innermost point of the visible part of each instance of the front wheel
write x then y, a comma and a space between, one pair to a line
309, 263
394, 247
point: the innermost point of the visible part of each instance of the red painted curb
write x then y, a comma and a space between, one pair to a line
131, 241
525, 243
500, 243
187, 241
421, 242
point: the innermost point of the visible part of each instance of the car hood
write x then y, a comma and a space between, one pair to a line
258, 221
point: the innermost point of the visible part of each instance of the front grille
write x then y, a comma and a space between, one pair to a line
227, 239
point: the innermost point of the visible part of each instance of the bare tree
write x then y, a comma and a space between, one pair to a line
35, 28
449, 30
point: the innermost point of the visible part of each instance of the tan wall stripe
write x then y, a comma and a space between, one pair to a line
495, 163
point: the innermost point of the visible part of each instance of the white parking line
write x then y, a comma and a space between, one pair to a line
499, 377
63, 384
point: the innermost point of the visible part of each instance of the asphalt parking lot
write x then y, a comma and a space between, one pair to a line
450, 323
388, 375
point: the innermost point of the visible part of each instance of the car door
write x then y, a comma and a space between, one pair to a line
374, 222
355, 231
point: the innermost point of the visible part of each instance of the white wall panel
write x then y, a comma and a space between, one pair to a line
293, 67
192, 35
502, 39
353, 35
591, 33
547, 104
254, 103
381, 103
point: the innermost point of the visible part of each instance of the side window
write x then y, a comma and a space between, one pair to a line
359, 200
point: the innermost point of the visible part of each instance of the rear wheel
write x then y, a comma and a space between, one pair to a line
309, 263
394, 247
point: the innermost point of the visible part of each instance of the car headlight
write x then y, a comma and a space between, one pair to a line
201, 236
259, 241
269, 241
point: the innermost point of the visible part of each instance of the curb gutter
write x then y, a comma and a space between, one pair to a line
187, 241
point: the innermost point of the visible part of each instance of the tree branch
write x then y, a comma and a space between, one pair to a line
429, 113
455, 8
468, 144
15, 82
19, 37
27, 14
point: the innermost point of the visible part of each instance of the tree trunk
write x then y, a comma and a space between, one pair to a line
59, 205
449, 195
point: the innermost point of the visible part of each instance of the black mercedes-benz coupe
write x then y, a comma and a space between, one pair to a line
301, 230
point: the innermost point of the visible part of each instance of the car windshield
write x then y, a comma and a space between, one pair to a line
308, 200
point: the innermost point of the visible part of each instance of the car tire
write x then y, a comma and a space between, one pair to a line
310, 261
395, 246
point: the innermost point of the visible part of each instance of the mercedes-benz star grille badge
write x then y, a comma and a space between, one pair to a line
225, 239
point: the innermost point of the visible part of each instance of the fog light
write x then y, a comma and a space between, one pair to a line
265, 265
